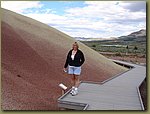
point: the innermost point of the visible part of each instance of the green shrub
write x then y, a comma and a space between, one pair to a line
118, 54
93, 45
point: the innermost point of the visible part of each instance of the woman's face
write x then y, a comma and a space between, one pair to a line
75, 47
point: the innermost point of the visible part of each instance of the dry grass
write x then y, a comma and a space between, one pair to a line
137, 59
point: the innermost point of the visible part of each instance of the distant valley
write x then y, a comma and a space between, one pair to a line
134, 36
130, 48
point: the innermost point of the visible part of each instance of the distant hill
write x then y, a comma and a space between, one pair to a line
32, 58
135, 36
139, 33
93, 39
138, 36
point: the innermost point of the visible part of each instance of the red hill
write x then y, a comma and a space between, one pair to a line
33, 55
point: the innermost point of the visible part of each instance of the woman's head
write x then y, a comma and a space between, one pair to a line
75, 46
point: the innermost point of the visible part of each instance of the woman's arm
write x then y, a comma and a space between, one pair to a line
82, 58
67, 60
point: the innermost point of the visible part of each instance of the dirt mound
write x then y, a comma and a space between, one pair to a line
33, 55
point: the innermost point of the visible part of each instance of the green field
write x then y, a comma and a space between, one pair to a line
131, 47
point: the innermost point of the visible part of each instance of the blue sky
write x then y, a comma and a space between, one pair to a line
98, 19
58, 7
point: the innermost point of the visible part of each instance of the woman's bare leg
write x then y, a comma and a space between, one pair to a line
77, 81
73, 80
76, 84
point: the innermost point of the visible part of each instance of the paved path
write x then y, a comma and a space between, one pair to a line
119, 93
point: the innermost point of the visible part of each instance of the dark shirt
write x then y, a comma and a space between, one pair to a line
78, 59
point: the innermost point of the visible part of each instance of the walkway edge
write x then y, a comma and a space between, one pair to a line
84, 106
140, 98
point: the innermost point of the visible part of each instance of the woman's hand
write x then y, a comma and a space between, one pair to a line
65, 69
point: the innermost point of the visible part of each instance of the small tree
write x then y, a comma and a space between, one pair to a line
127, 49
135, 48
93, 45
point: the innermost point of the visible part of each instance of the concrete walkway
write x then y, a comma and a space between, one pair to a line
119, 93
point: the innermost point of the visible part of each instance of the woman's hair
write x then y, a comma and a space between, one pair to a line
75, 43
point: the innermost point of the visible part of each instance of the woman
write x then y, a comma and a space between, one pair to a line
75, 59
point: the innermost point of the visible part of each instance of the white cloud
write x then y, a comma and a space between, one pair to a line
20, 6
95, 19
110, 17
134, 6
47, 18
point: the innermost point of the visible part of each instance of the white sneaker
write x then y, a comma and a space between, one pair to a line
75, 92
72, 90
